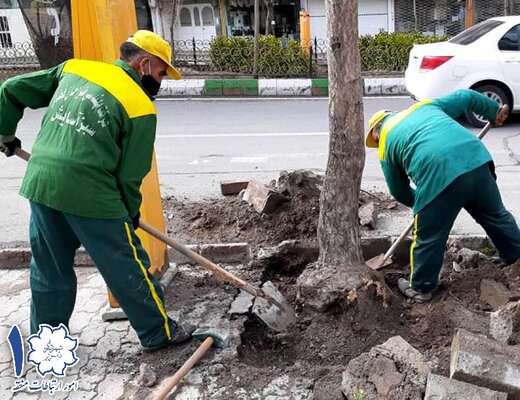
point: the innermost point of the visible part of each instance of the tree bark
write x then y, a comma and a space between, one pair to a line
338, 227
340, 267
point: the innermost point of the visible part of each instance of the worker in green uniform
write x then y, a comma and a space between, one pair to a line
451, 170
83, 180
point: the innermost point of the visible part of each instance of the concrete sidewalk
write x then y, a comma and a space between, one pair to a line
273, 87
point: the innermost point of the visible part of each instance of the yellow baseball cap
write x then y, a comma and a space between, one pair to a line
154, 44
372, 123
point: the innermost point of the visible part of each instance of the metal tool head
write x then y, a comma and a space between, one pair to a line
220, 336
379, 262
278, 316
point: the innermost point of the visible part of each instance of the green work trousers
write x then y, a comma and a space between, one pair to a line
117, 252
476, 192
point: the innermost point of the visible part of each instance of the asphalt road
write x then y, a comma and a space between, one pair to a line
202, 142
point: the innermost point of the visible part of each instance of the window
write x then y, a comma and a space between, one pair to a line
196, 16
207, 16
7, 4
5, 36
475, 32
185, 17
510, 41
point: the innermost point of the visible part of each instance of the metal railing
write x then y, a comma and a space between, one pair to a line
16, 59
277, 58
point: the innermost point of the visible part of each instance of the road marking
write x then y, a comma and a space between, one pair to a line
270, 134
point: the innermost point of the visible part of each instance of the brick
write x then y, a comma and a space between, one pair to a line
504, 324
15, 258
262, 198
494, 293
442, 388
478, 360
230, 188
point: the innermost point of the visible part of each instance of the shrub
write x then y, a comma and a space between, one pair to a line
276, 56
389, 52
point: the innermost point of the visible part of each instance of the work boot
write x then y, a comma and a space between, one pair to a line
408, 291
182, 332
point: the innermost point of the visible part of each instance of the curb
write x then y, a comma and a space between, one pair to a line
273, 87
226, 253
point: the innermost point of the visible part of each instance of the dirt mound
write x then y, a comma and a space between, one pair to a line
232, 220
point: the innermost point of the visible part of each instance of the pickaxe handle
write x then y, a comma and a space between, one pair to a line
185, 369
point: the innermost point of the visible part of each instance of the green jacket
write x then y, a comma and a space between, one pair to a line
96, 140
425, 144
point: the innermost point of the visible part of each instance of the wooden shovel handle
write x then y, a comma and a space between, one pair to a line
203, 262
185, 369
24, 155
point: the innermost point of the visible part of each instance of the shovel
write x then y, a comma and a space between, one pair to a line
383, 260
270, 305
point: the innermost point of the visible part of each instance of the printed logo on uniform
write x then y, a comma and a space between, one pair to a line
52, 350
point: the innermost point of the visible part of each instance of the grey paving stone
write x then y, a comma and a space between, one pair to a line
110, 342
112, 387
442, 388
91, 334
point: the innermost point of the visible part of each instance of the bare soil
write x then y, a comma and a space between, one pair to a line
320, 346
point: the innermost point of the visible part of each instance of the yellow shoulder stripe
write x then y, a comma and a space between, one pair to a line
393, 121
115, 81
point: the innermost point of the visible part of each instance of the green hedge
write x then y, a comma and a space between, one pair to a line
384, 52
389, 52
236, 54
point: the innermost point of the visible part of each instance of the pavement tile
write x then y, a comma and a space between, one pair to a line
91, 334
112, 387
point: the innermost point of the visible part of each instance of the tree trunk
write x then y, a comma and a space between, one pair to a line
268, 16
340, 266
338, 227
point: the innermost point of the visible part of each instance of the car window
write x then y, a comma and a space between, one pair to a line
510, 41
475, 32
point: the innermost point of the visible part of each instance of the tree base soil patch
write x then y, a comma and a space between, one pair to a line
309, 361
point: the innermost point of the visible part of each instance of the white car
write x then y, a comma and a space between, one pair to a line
485, 57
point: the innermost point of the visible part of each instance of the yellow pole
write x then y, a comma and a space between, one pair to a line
305, 31
470, 14
98, 29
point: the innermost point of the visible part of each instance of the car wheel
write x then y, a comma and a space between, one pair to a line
494, 92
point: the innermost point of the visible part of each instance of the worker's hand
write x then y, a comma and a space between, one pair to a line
9, 145
503, 113
135, 220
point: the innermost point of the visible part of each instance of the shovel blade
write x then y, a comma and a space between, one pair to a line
279, 319
379, 262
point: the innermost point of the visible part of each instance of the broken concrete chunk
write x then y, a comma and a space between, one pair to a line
368, 215
494, 293
504, 324
468, 258
478, 360
300, 181
242, 304
231, 188
394, 371
262, 198
147, 376
442, 388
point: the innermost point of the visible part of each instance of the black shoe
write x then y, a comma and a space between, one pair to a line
181, 334
408, 291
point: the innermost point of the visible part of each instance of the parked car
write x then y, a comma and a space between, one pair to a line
485, 57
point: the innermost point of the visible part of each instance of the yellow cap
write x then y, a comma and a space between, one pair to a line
372, 123
157, 46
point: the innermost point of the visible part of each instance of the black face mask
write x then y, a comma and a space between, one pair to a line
150, 85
